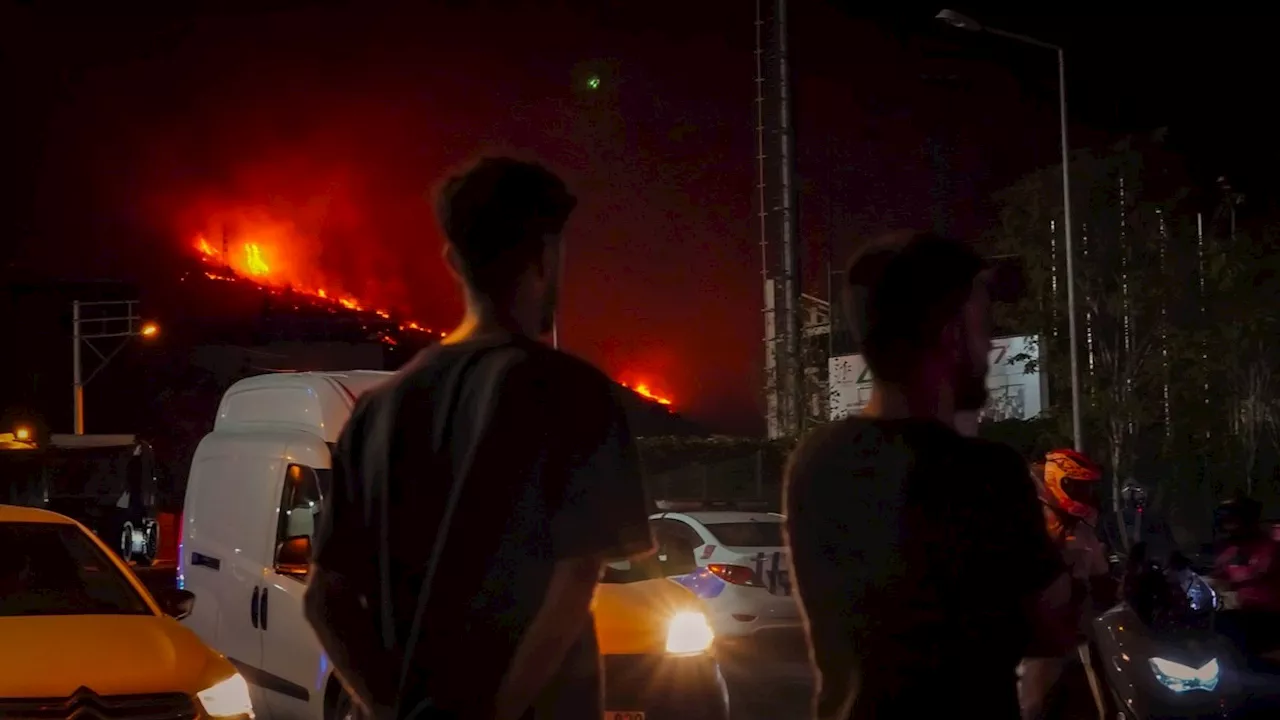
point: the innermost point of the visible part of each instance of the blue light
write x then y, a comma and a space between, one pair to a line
322, 671
702, 582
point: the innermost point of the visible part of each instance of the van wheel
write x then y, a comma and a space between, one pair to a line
150, 543
126, 542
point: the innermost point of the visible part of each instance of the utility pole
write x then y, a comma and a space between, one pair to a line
964, 22
111, 319
779, 244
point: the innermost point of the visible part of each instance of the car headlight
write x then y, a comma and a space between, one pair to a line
689, 632
1181, 678
227, 698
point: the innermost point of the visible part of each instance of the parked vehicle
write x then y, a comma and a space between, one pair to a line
257, 486
83, 638
743, 571
106, 482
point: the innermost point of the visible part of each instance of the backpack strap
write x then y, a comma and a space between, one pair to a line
481, 420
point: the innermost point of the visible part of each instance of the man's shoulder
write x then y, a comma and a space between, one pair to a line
518, 370
860, 440
997, 455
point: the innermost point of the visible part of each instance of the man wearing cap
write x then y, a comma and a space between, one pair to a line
920, 554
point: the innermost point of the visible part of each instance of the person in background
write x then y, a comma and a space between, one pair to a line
477, 495
1072, 493
1069, 488
920, 557
1249, 568
1248, 563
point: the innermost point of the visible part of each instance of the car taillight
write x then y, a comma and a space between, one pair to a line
735, 574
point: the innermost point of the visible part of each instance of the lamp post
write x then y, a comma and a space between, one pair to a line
118, 319
963, 22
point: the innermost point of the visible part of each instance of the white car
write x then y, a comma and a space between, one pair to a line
743, 572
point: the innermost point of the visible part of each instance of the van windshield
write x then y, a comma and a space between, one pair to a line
55, 569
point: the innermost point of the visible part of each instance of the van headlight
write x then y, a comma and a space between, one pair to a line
1181, 678
227, 698
688, 632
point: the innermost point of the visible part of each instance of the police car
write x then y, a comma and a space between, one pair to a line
743, 572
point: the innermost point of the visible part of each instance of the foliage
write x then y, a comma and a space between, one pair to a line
1031, 438
666, 453
1241, 317
1178, 310
1131, 238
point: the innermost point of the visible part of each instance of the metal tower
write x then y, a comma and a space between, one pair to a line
779, 246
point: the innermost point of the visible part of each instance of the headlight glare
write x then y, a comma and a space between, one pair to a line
227, 698
1181, 678
688, 632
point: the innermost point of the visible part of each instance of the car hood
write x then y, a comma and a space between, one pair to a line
631, 618
53, 656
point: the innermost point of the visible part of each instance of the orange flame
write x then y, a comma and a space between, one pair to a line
643, 390
258, 261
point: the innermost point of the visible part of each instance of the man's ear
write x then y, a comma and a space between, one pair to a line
452, 261
550, 258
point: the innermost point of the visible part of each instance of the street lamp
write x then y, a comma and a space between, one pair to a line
22, 433
963, 22
114, 319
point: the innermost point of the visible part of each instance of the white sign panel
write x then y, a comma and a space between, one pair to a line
1015, 393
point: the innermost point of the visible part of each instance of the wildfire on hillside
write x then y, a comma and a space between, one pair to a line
257, 262
643, 390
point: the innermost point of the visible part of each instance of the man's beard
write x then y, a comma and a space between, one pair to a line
971, 389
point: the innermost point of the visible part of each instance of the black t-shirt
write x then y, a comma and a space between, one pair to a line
539, 440
913, 549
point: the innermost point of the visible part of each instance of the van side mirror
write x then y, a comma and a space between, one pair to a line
176, 603
293, 556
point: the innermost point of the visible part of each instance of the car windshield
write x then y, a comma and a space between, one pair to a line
55, 569
755, 533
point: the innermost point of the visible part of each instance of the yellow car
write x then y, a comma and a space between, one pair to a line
81, 637
656, 645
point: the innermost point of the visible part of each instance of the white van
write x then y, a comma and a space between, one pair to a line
258, 482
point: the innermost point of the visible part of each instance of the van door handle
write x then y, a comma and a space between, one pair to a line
262, 614
253, 607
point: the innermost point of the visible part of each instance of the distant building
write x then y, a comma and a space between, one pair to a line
1017, 387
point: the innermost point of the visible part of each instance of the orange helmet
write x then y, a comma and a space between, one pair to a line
1073, 480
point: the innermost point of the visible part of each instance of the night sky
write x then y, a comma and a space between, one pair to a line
130, 135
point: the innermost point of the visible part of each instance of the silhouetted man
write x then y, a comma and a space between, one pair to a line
920, 555
477, 495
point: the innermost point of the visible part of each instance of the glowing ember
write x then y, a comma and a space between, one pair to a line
260, 262
256, 263
643, 390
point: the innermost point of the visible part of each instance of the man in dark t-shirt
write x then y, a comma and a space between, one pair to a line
919, 555
477, 495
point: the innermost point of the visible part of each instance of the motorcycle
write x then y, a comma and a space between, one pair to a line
1156, 654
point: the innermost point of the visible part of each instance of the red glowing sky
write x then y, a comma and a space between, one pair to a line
324, 127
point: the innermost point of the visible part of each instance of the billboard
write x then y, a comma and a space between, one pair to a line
1014, 392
